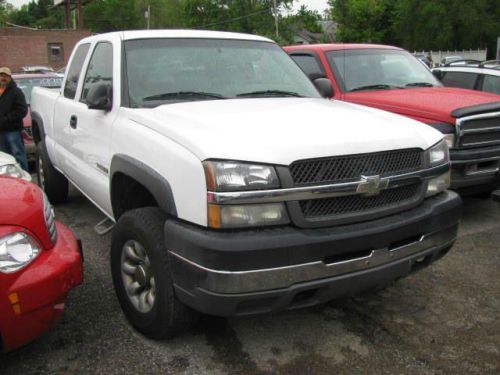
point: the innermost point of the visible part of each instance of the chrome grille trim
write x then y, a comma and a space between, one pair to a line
320, 191
479, 126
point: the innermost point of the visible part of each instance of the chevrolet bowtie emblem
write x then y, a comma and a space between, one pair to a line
372, 185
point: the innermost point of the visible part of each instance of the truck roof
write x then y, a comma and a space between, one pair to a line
338, 46
145, 34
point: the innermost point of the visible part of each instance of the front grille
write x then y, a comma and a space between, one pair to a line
50, 219
480, 132
351, 167
355, 205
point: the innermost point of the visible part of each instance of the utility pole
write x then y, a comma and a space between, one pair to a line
147, 15
276, 19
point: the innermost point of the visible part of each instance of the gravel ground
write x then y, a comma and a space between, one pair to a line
442, 320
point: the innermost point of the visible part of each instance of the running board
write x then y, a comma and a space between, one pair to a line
495, 195
104, 227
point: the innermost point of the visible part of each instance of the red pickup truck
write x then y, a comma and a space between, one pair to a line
391, 79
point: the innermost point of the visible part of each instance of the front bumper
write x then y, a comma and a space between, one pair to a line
475, 168
247, 272
42, 288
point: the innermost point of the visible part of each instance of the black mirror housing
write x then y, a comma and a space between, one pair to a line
324, 87
100, 96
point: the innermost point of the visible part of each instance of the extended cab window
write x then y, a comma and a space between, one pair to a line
100, 68
309, 65
73, 73
460, 79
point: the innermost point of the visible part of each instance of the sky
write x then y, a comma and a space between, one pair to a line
318, 5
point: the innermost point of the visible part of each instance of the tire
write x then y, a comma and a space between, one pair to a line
141, 275
50, 179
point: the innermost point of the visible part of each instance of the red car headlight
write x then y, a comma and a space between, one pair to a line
17, 250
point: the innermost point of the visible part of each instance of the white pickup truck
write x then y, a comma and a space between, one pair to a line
235, 187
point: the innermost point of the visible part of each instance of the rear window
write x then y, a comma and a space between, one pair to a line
491, 84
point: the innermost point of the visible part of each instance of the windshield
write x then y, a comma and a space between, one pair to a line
379, 69
27, 84
161, 71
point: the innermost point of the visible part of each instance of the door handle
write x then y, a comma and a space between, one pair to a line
72, 121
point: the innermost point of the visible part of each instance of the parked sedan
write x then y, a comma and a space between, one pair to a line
40, 262
10, 167
26, 82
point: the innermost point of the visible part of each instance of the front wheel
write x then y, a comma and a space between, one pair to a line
142, 278
52, 182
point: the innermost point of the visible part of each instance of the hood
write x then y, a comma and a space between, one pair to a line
429, 104
21, 205
282, 130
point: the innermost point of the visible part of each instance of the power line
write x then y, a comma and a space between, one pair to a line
234, 19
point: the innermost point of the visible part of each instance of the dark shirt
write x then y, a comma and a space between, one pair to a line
13, 108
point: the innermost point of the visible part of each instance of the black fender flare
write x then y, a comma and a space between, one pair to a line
157, 185
35, 117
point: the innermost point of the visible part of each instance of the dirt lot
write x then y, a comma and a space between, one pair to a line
442, 320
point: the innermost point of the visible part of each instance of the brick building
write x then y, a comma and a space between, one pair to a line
37, 47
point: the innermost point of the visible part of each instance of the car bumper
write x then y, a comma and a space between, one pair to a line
248, 272
41, 289
475, 168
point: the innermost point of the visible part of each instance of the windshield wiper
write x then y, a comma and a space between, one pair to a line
419, 84
270, 93
379, 86
183, 95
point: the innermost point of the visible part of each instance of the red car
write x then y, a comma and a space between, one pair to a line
391, 79
26, 82
40, 261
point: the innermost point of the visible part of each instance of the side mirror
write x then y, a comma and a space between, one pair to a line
324, 87
100, 96
438, 74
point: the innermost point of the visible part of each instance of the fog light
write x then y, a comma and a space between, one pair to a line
438, 184
233, 216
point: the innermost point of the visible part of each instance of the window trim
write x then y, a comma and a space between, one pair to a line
87, 45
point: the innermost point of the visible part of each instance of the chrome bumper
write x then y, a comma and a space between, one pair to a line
228, 282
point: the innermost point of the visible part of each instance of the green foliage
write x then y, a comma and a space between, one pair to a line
419, 24
112, 15
37, 14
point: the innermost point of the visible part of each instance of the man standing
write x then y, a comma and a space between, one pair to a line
13, 108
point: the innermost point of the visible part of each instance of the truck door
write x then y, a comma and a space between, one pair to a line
62, 135
92, 127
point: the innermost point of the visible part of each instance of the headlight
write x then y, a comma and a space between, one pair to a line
229, 176
450, 140
235, 176
438, 184
233, 216
17, 250
12, 170
438, 154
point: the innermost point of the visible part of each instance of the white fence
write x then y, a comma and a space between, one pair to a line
437, 56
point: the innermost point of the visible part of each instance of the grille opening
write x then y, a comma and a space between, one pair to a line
404, 242
351, 167
482, 167
347, 257
358, 204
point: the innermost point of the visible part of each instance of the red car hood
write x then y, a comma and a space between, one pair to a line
429, 104
21, 205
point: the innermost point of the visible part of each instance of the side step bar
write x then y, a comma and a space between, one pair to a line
104, 226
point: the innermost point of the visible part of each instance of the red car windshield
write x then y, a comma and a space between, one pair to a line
379, 69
